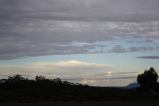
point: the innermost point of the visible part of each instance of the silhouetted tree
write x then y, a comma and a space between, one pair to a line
16, 78
57, 80
39, 78
148, 80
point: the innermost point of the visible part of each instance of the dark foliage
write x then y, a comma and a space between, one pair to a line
148, 80
19, 89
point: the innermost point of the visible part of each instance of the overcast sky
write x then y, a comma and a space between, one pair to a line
83, 31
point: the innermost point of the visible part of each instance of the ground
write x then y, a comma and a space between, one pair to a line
117, 103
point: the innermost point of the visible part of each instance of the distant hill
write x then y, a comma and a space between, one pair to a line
132, 85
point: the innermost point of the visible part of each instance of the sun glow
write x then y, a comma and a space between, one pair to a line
108, 73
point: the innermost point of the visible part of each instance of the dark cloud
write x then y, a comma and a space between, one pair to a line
118, 49
148, 57
16, 50
112, 78
37, 27
122, 49
83, 10
136, 49
125, 73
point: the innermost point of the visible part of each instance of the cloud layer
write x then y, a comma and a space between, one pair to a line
73, 71
62, 69
38, 27
148, 57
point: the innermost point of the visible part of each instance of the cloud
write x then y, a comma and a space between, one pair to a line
118, 49
121, 49
83, 10
148, 57
136, 49
62, 69
37, 28
72, 70
108, 81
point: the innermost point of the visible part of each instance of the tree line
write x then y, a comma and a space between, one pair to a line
19, 89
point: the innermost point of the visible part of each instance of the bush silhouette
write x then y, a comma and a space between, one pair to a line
19, 89
148, 79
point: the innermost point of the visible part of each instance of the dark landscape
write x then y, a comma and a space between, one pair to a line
108, 103
17, 89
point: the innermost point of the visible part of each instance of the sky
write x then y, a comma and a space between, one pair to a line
94, 42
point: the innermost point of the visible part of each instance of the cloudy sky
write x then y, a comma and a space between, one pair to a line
95, 42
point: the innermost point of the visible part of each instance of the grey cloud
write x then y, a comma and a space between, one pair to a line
148, 57
113, 78
125, 73
121, 49
16, 50
136, 49
118, 49
84, 10
34, 27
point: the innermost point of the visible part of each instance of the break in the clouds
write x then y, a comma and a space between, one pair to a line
62, 69
50, 27
72, 70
